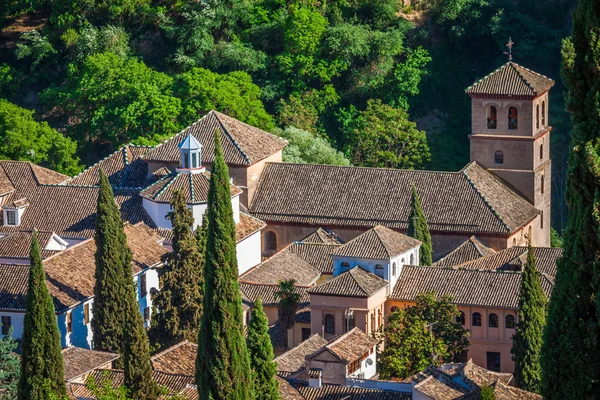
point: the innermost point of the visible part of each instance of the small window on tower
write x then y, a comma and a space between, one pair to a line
513, 118
270, 241
492, 117
499, 157
186, 160
542, 184
537, 116
543, 113
542, 151
194, 162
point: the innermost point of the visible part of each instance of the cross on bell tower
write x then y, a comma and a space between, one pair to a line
509, 45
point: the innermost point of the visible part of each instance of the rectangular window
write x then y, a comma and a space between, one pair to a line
194, 164
11, 218
147, 314
305, 333
69, 323
186, 160
6, 324
493, 361
86, 313
143, 290
542, 220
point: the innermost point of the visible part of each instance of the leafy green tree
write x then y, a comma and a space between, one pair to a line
487, 393
10, 367
35, 47
443, 317
222, 364
382, 136
113, 258
555, 238
23, 138
260, 348
528, 338
91, 40
289, 299
41, 359
421, 335
409, 346
179, 301
307, 148
234, 94
418, 228
136, 349
114, 100
570, 369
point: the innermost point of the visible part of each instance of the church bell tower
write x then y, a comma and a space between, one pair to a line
510, 136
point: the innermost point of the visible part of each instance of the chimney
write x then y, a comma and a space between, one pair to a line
315, 378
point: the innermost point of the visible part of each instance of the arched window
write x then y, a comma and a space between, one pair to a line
379, 319
394, 268
345, 265
493, 322
492, 117
329, 323
476, 320
510, 321
379, 270
529, 237
542, 183
542, 219
499, 157
412, 259
543, 113
541, 151
270, 241
394, 309
460, 318
514, 241
513, 118
373, 322
537, 116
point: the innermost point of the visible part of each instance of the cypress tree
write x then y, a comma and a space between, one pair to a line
527, 341
136, 350
179, 302
113, 256
41, 360
222, 364
260, 349
570, 362
418, 229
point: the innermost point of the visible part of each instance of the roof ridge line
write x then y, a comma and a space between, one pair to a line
485, 200
166, 186
389, 253
525, 81
192, 195
237, 146
178, 133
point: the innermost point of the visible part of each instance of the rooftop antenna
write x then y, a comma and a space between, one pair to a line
510, 46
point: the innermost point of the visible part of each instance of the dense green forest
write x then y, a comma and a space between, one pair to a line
109, 72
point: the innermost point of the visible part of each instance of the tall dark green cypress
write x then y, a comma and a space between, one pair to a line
222, 364
179, 302
527, 340
41, 360
112, 258
136, 350
418, 228
260, 349
571, 349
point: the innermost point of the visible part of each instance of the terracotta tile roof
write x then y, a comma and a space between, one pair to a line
510, 80
242, 144
282, 266
353, 283
177, 359
5, 184
175, 384
348, 347
507, 392
335, 392
287, 391
22, 174
321, 236
194, 187
124, 168
70, 273
470, 249
279, 337
13, 286
18, 244
16, 203
467, 287
437, 390
514, 259
470, 201
318, 255
79, 361
267, 294
379, 243
293, 361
